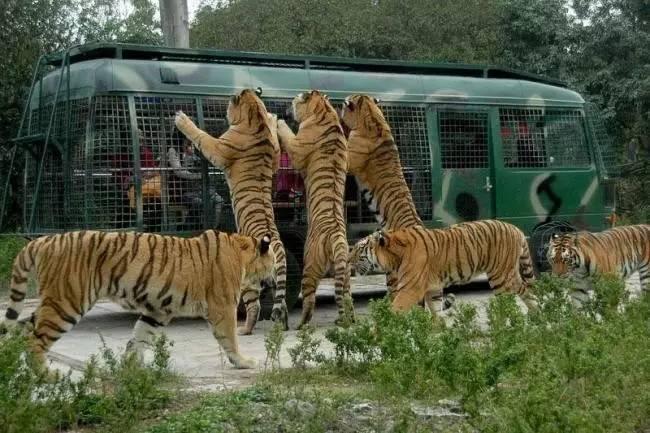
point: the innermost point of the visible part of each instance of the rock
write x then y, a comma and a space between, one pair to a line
452, 405
428, 412
363, 408
302, 408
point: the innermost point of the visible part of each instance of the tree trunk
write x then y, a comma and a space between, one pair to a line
175, 23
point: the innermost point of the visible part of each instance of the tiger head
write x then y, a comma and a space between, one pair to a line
564, 256
362, 115
307, 104
246, 109
256, 256
378, 252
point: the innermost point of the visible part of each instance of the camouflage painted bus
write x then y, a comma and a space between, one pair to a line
475, 141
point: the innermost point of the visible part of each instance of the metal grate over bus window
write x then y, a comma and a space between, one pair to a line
604, 147
534, 138
110, 167
463, 139
409, 127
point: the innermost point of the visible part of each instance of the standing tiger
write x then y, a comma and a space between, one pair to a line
374, 161
426, 261
248, 152
621, 251
319, 152
161, 276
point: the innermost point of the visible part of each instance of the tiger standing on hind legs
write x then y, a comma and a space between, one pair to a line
319, 152
162, 277
427, 261
374, 161
249, 154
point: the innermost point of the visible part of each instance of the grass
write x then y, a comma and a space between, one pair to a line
114, 392
9, 248
561, 368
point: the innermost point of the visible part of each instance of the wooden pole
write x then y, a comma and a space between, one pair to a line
175, 23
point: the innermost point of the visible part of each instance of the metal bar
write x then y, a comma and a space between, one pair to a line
205, 179
137, 173
37, 187
88, 158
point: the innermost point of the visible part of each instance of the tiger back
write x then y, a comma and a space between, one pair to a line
249, 153
161, 276
427, 261
319, 152
621, 251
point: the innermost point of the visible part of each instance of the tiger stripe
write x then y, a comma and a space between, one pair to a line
249, 154
427, 261
620, 251
319, 152
166, 278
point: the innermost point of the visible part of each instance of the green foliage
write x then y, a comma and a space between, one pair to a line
306, 350
557, 369
273, 341
113, 392
10, 246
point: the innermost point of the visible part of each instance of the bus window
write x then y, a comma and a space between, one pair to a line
463, 139
565, 139
522, 136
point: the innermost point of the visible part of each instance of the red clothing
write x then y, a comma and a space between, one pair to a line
288, 181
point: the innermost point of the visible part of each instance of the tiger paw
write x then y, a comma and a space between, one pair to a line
243, 330
181, 121
449, 301
280, 314
244, 362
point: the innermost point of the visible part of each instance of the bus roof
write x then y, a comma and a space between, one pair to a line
114, 67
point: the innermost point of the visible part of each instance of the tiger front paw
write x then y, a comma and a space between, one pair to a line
182, 122
244, 362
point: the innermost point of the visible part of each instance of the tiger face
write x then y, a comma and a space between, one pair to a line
377, 252
257, 257
309, 103
563, 255
247, 108
361, 112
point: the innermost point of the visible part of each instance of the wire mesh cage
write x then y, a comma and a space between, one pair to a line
540, 238
604, 147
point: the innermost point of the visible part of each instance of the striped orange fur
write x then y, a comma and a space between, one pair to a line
161, 276
621, 251
427, 261
374, 161
319, 152
249, 155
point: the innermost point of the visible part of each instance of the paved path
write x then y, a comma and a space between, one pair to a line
195, 353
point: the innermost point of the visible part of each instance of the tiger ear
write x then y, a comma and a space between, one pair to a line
258, 91
377, 100
265, 243
349, 105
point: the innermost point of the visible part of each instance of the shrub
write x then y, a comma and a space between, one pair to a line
9, 248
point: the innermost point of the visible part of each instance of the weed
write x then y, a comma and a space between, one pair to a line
306, 350
273, 341
113, 391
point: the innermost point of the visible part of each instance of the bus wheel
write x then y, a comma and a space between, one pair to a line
539, 239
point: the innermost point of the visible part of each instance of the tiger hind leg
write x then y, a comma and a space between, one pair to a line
311, 276
145, 330
52, 320
644, 277
251, 299
17, 291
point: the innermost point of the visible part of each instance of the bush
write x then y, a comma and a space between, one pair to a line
114, 391
557, 369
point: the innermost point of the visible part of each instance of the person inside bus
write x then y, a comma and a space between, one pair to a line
289, 190
186, 186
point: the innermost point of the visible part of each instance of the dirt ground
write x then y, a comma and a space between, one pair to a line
196, 354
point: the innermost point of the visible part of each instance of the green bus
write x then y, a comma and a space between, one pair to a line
101, 150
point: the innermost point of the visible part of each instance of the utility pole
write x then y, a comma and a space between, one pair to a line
175, 23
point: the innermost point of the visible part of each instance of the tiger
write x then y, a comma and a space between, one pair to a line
374, 161
426, 261
319, 152
621, 251
249, 154
162, 277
